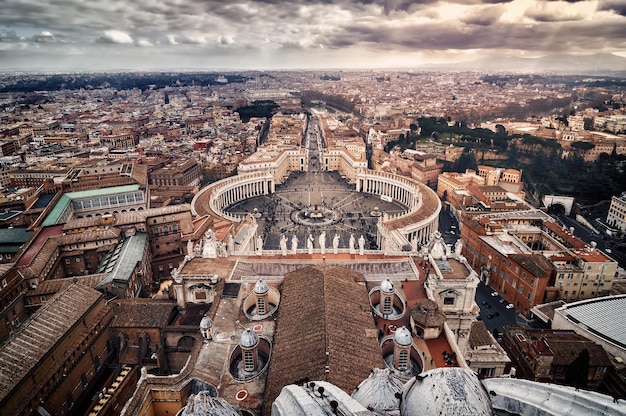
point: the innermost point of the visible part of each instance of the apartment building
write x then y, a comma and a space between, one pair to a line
556, 356
529, 259
616, 216
50, 364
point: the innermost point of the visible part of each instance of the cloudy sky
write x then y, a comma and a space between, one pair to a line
275, 34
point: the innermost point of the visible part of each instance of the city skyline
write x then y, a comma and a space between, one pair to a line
270, 34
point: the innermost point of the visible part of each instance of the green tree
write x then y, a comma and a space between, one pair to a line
464, 162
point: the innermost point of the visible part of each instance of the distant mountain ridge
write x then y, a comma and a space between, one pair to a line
596, 63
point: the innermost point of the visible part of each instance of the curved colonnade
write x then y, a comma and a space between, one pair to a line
214, 198
422, 216
414, 226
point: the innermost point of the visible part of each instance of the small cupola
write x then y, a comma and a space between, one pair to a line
249, 343
386, 301
206, 328
261, 302
261, 291
402, 341
386, 294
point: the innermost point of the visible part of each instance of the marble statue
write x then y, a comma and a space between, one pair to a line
294, 244
322, 241
351, 243
361, 245
190, 248
336, 243
283, 245
458, 247
309, 244
231, 243
209, 245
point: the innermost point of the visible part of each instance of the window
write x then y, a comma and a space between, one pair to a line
260, 305
4, 282
403, 360
448, 300
67, 261
387, 306
77, 259
248, 361
42, 299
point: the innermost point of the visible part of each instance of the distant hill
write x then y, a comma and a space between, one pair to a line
601, 63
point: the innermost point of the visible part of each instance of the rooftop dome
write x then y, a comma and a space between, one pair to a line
403, 337
249, 339
446, 391
206, 323
261, 287
386, 286
380, 392
203, 404
427, 314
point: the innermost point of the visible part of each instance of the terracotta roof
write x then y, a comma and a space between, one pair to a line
324, 324
536, 264
142, 313
426, 313
430, 205
37, 243
479, 335
33, 340
567, 350
565, 235
56, 285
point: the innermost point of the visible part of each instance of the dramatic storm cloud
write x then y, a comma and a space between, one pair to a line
153, 34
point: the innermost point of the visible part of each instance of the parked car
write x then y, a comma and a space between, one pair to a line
510, 306
494, 293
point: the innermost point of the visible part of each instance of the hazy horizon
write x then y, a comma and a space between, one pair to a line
72, 35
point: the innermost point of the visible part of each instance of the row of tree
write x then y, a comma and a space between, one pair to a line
547, 172
124, 81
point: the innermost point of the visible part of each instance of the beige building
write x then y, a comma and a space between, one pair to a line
616, 217
452, 284
484, 354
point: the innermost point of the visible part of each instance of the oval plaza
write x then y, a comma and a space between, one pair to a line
321, 186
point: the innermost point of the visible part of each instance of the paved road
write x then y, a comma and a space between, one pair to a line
602, 240
491, 306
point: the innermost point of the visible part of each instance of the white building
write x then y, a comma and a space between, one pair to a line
616, 217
